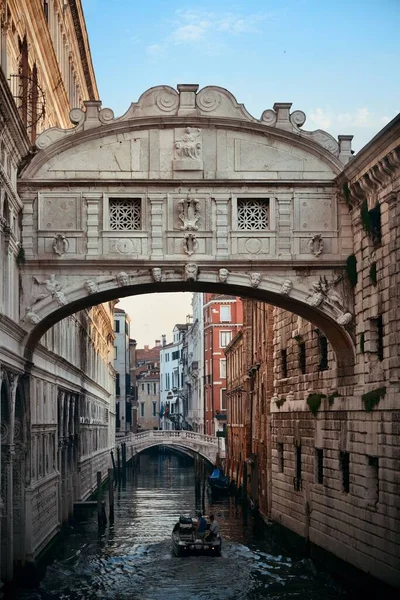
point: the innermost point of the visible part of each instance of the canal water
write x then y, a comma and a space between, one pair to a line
133, 559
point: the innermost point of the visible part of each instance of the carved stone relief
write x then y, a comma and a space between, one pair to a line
316, 244
223, 275
286, 288
323, 292
188, 150
122, 279
189, 214
53, 288
191, 272
60, 244
91, 286
255, 279
157, 274
190, 244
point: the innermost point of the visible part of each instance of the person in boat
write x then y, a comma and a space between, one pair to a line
201, 526
214, 530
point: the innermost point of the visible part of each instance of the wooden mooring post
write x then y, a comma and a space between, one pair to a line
101, 512
111, 495
119, 463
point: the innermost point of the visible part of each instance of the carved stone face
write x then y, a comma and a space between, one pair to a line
191, 271
122, 279
91, 286
223, 275
157, 274
255, 279
287, 286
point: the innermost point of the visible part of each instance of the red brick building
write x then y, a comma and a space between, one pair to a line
223, 318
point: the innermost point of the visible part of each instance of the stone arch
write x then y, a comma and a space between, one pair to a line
182, 446
298, 299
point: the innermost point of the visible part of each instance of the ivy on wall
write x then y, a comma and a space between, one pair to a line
314, 402
372, 398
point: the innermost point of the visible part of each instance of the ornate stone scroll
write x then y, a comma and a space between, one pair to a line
60, 244
190, 244
189, 214
31, 317
191, 272
316, 244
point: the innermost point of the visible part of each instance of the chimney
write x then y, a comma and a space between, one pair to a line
158, 343
164, 339
146, 347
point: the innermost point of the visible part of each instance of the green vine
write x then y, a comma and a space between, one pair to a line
331, 397
351, 269
365, 217
20, 258
314, 402
372, 398
280, 402
298, 338
346, 194
373, 273
362, 343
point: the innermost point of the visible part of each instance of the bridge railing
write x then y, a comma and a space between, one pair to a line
134, 439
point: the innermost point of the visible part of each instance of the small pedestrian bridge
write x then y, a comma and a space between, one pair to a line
207, 446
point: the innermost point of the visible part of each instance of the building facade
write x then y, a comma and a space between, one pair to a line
223, 318
122, 355
58, 416
148, 386
323, 444
194, 367
172, 400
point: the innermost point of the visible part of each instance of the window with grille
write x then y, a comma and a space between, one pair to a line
319, 470
344, 459
125, 214
253, 214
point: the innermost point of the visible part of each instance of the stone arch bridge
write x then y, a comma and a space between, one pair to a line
207, 446
187, 192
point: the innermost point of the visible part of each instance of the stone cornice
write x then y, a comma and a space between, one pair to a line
84, 49
12, 328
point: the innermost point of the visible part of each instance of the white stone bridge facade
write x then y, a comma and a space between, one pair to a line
186, 192
207, 446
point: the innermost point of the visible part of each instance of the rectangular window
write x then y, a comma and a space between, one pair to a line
154, 388
115, 353
148, 389
175, 355
323, 352
302, 357
142, 409
280, 457
222, 368
319, 465
142, 387
284, 363
125, 214
372, 480
117, 386
225, 314
116, 326
344, 459
223, 399
253, 214
297, 479
224, 338
375, 224
379, 331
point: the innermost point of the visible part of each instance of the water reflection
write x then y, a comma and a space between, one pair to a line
132, 559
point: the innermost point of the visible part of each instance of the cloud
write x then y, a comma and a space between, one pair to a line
361, 117
211, 30
155, 50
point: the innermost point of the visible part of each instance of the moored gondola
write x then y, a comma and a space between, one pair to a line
186, 543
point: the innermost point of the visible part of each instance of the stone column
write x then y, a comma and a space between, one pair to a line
27, 225
157, 227
222, 216
93, 206
284, 226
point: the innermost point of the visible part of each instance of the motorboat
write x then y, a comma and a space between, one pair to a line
186, 543
218, 482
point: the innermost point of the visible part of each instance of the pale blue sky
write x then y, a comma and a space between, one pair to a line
337, 60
